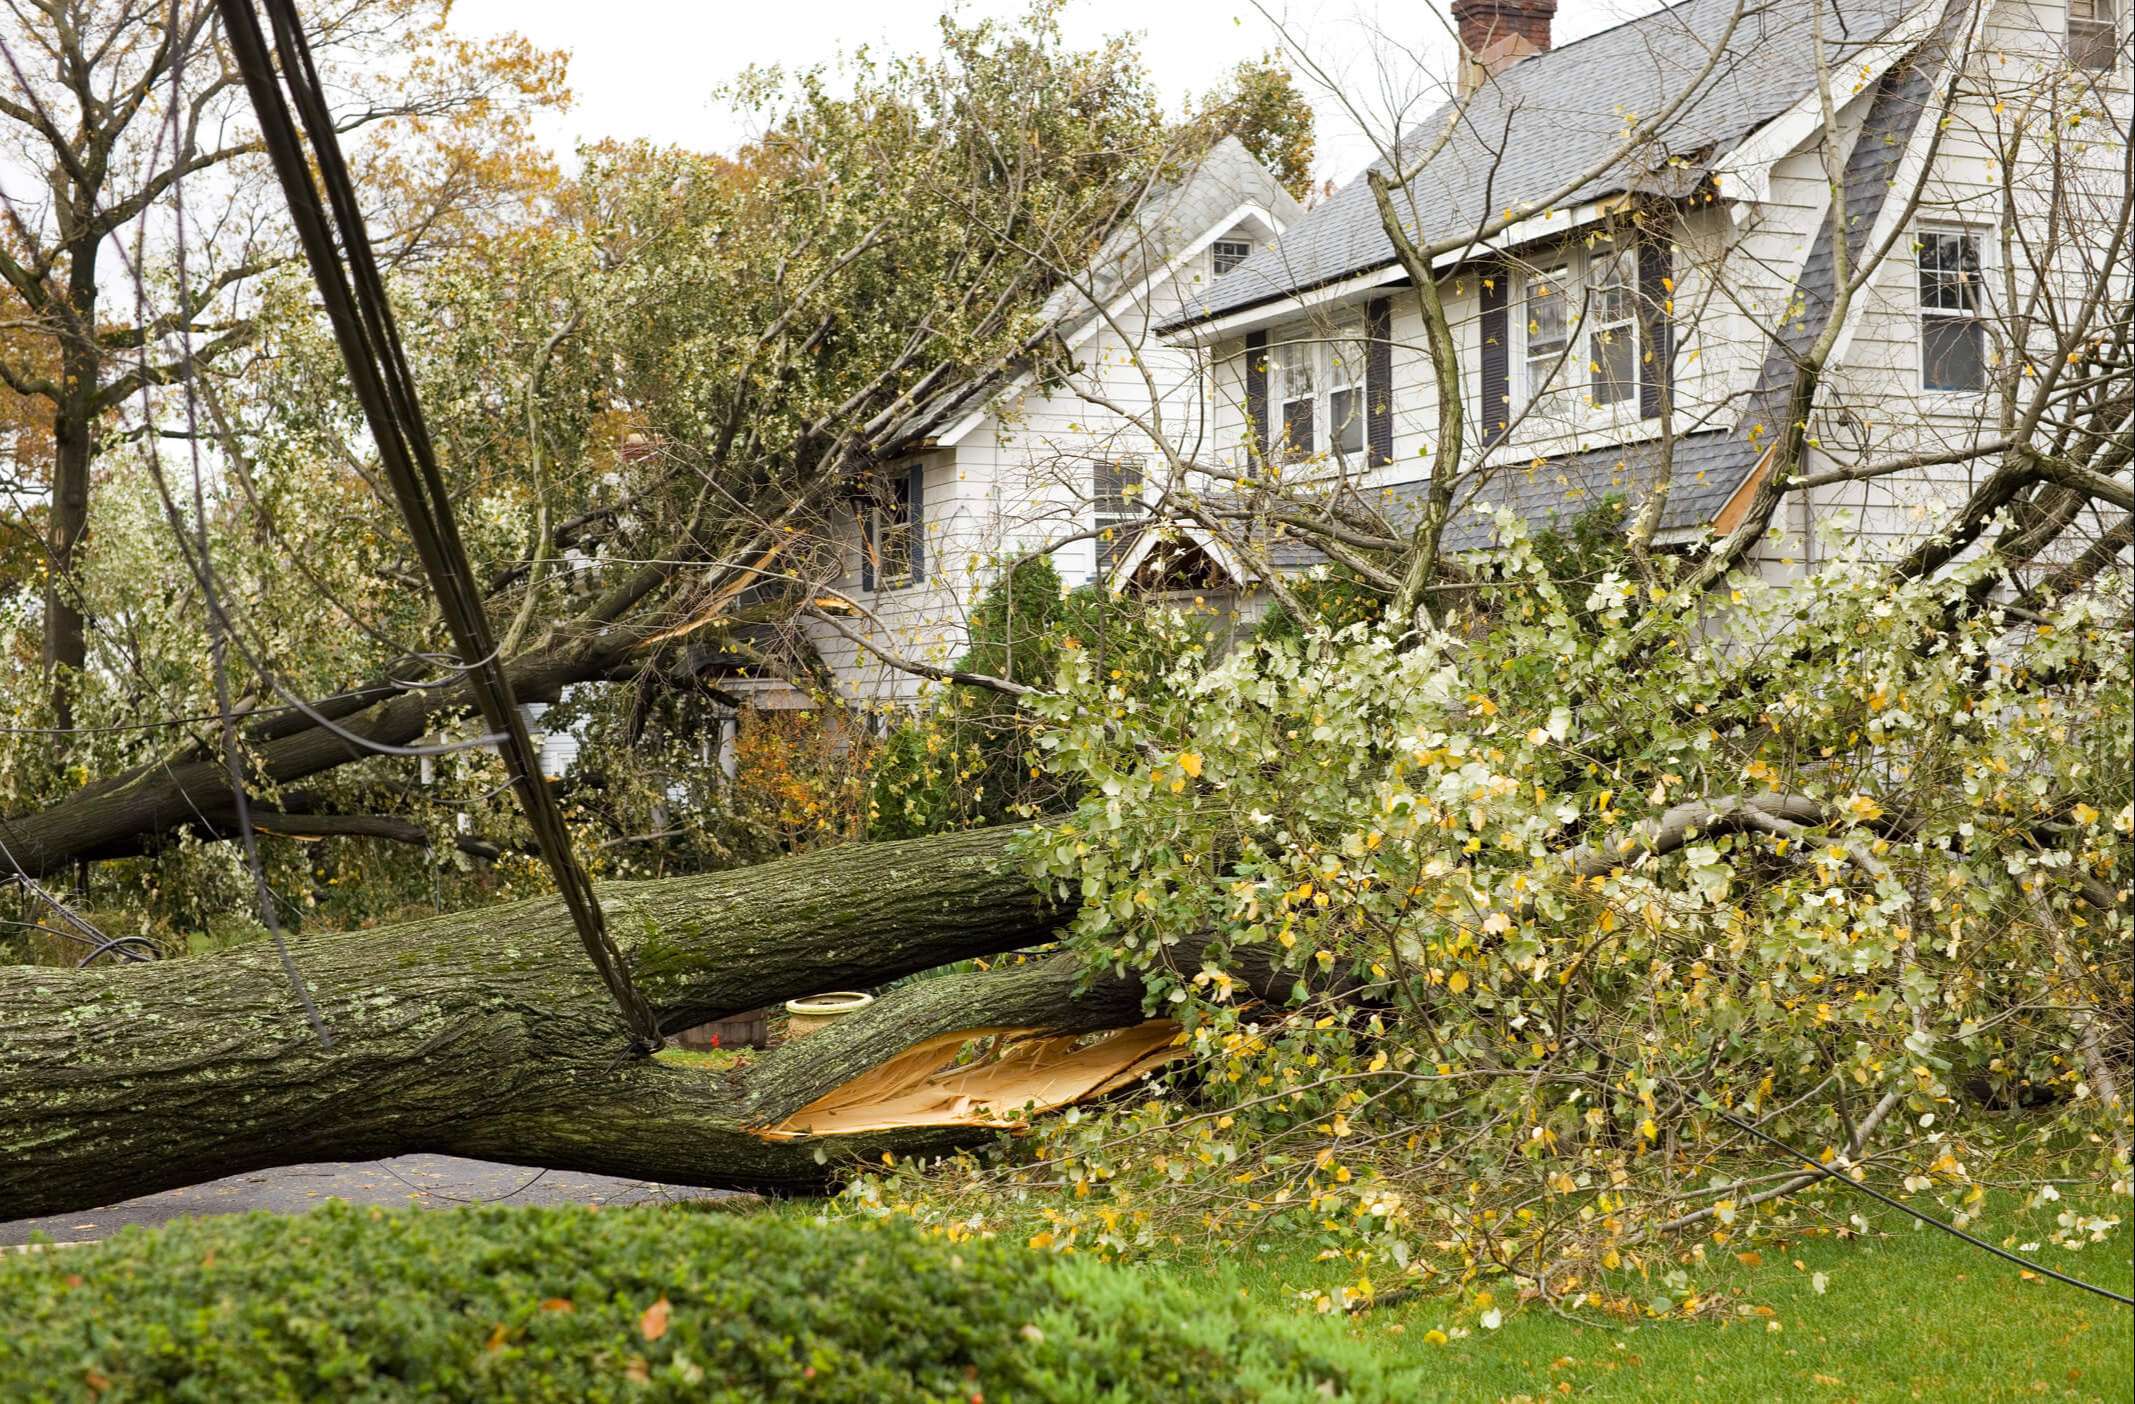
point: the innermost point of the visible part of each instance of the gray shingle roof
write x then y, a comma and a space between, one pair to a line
1554, 492
1708, 466
1546, 120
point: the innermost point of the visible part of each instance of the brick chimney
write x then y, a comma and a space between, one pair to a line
1496, 34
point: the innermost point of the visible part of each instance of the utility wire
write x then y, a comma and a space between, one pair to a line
1818, 1167
1929, 1219
354, 296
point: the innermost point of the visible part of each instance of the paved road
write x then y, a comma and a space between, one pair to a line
433, 1181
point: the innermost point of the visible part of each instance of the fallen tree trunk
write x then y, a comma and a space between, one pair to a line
485, 1033
127, 814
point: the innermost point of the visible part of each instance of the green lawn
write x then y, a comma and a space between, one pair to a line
1904, 1315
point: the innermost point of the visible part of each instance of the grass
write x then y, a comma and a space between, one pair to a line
714, 1060
1904, 1314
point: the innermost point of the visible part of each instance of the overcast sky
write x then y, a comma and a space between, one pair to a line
646, 68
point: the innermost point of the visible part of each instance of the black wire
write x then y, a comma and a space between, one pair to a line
354, 296
1929, 1219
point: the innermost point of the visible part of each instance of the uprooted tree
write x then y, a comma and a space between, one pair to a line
1480, 927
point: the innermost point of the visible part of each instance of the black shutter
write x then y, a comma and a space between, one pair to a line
864, 513
1256, 392
1656, 313
916, 521
1379, 384
1496, 397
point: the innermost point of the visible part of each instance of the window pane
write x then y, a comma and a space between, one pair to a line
1949, 272
1345, 362
1610, 277
1297, 426
1953, 353
1547, 313
1293, 364
1346, 409
2091, 42
1613, 357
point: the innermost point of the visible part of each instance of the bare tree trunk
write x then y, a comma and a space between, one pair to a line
73, 452
486, 1033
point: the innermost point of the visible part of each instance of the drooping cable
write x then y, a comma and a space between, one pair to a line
354, 297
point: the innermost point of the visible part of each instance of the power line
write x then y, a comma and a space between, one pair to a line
354, 296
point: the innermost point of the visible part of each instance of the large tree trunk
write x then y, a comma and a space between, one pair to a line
486, 1033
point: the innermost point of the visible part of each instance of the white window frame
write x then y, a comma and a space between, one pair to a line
1603, 320
1344, 368
1294, 356
1236, 250
1978, 314
1576, 388
1116, 514
2081, 36
888, 518
1333, 363
1559, 274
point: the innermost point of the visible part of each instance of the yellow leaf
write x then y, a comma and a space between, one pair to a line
1190, 763
1457, 981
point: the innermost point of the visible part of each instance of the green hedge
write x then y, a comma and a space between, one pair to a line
563, 1304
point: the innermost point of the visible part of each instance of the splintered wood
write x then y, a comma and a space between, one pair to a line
1024, 1073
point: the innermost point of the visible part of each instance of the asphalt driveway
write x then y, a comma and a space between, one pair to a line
432, 1181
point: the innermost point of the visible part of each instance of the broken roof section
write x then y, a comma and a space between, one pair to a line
1548, 119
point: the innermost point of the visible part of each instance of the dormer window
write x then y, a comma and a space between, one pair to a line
1226, 254
2091, 34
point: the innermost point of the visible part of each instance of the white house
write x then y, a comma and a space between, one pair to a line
1679, 195
1001, 468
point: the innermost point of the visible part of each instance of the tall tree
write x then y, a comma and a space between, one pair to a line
1262, 105
118, 105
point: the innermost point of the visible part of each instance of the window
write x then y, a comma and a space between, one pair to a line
1226, 254
1549, 325
1612, 325
1953, 338
891, 543
1582, 334
1291, 369
1345, 392
1115, 506
2090, 34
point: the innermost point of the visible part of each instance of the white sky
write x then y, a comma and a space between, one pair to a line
646, 68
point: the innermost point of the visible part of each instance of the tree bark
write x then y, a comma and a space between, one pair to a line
74, 423
486, 1033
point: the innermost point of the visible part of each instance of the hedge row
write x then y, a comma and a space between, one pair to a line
646, 1304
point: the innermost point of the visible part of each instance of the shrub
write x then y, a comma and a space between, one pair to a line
644, 1304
